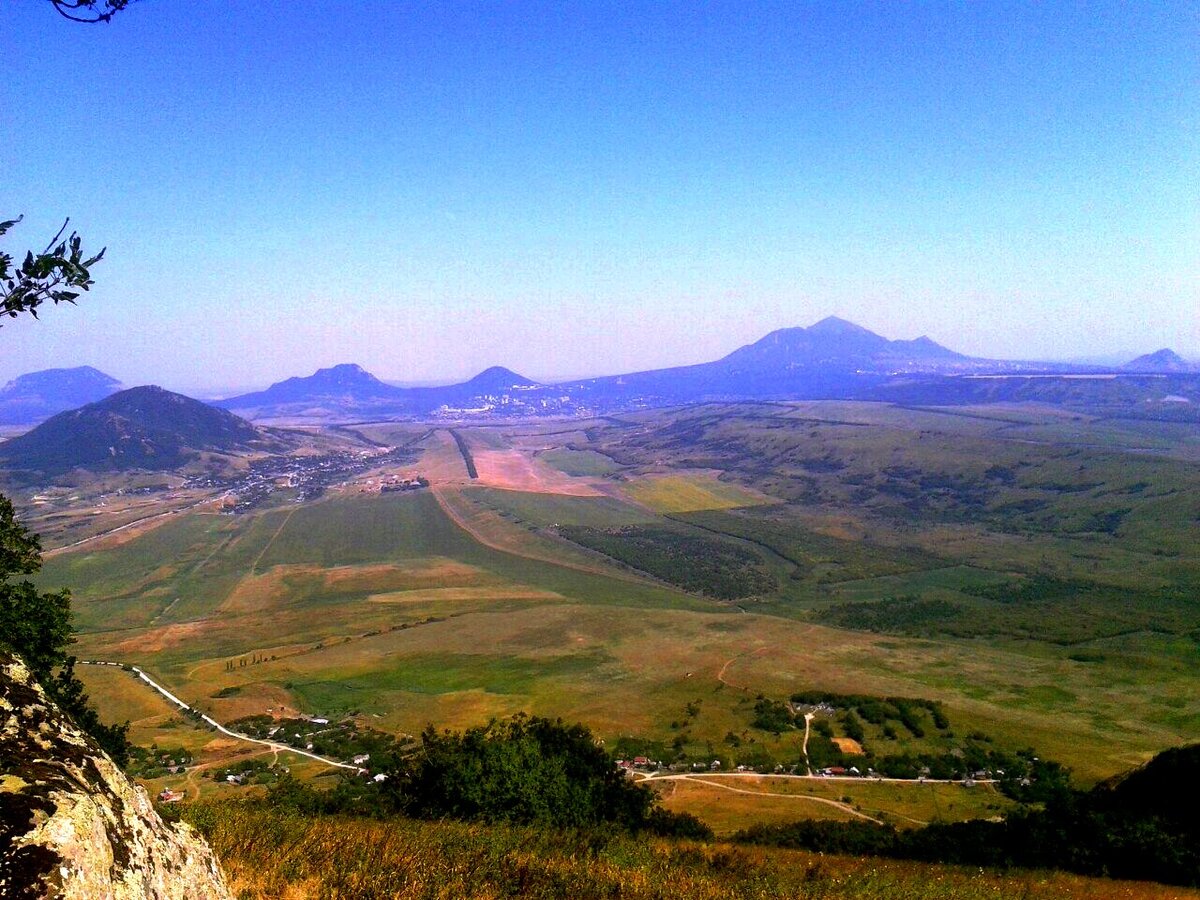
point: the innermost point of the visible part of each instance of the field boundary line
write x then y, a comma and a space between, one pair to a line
278, 531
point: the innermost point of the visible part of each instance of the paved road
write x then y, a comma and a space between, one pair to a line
859, 779
274, 745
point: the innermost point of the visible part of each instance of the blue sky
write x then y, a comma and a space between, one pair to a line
569, 189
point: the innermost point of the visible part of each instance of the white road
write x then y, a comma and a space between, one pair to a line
859, 779
274, 745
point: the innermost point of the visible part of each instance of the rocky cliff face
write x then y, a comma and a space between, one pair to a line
72, 825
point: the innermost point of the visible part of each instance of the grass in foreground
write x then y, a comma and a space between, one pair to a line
273, 853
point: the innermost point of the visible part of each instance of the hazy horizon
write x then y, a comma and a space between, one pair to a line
571, 192
213, 390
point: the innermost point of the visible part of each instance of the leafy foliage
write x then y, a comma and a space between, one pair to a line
38, 627
773, 715
56, 275
894, 615
526, 770
1072, 834
89, 11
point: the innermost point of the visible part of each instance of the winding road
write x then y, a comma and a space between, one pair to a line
273, 745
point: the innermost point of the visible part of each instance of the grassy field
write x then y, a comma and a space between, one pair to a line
579, 462
270, 854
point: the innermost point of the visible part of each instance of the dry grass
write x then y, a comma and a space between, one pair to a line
271, 855
849, 746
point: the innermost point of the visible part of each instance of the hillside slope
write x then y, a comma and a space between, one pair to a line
141, 428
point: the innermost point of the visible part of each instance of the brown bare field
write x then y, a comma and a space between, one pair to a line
849, 745
517, 470
156, 640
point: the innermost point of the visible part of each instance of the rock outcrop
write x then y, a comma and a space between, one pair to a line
72, 825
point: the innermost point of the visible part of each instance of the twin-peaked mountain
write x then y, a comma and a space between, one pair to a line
141, 428
350, 389
838, 343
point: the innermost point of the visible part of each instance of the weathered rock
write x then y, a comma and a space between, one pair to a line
72, 825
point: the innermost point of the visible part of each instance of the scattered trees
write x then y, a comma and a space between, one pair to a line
527, 770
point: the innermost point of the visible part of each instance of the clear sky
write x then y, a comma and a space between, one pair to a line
588, 188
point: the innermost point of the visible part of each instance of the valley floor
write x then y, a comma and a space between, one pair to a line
661, 577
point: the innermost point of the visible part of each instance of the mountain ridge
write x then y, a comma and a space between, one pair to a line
349, 386
35, 396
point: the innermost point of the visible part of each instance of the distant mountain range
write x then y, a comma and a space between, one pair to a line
832, 359
37, 396
142, 428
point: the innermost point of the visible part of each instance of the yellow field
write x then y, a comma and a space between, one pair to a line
690, 493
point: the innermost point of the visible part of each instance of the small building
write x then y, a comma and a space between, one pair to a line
166, 795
